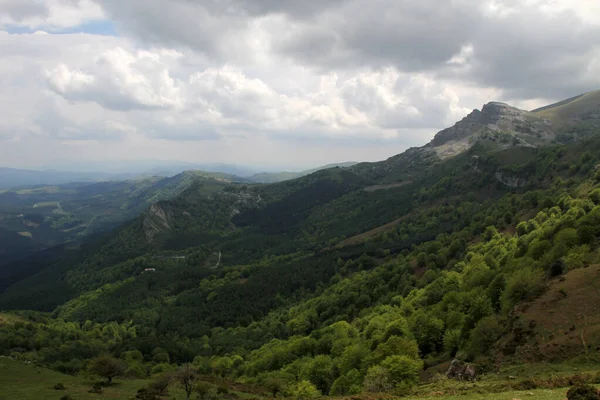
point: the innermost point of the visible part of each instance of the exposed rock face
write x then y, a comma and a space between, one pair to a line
462, 371
462, 129
156, 221
498, 122
510, 181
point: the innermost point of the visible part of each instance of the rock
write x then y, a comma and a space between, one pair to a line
498, 122
462, 371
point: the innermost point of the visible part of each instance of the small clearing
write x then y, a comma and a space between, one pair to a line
363, 237
385, 187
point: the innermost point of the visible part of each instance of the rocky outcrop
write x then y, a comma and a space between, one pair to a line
511, 181
156, 221
497, 122
462, 371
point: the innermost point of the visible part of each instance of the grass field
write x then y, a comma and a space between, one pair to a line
19, 381
556, 394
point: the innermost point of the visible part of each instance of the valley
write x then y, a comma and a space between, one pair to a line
358, 281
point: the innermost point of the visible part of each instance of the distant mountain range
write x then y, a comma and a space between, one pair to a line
21, 178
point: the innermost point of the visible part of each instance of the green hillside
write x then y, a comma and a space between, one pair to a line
348, 281
46, 216
274, 177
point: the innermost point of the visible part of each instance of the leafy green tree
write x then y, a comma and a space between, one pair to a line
352, 358
397, 346
452, 338
403, 370
484, 335
428, 331
524, 284
160, 355
205, 390
275, 385
347, 384
305, 390
107, 367
377, 380
320, 372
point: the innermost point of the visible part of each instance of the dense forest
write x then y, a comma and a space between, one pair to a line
344, 281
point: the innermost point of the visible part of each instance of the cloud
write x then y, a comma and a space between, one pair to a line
119, 80
515, 46
48, 14
252, 79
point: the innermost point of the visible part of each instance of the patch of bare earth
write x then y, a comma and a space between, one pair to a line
373, 233
566, 319
385, 187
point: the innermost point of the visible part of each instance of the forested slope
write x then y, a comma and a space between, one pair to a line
343, 281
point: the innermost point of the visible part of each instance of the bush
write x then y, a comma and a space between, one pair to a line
403, 370
304, 390
66, 397
98, 388
525, 284
59, 386
161, 368
377, 380
484, 335
583, 392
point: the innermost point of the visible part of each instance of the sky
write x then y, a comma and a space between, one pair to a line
274, 83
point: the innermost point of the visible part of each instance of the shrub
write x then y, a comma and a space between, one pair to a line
304, 390
525, 284
583, 392
403, 370
161, 368
377, 380
98, 388
59, 386
484, 335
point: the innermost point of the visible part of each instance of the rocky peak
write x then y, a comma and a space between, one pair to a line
494, 112
496, 121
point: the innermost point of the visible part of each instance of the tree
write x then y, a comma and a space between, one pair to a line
484, 335
205, 390
377, 380
347, 384
187, 375
107, 367
304, 390
156, 390
403, 370
274, 385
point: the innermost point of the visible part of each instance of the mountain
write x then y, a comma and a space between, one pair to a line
481, 247
12, 177
40, 217
273, 177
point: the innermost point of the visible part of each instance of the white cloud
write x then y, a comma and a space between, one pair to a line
248, 80
119, 80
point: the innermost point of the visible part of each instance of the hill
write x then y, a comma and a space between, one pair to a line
42, 217
273, 177
346, 280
